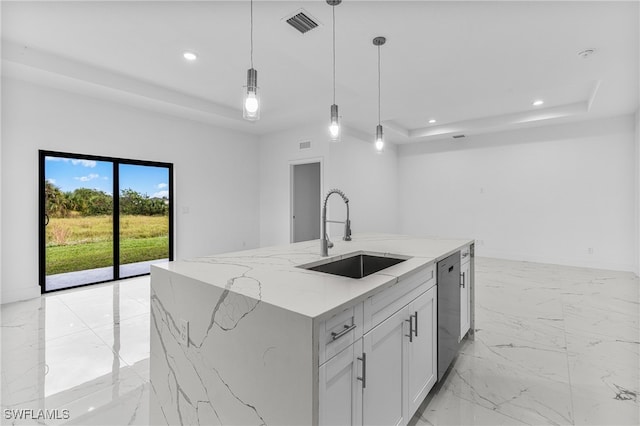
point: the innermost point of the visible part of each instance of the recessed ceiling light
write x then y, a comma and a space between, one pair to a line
538, 102
432, 121
190, 56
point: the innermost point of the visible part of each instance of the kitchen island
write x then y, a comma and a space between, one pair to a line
252, 338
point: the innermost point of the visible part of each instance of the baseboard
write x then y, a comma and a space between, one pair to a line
10, 295
581, 263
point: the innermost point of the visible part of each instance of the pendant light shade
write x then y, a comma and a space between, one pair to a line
251, 102
334, 124
379, 41
379, 138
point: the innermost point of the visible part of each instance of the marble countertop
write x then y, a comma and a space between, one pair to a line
272, 275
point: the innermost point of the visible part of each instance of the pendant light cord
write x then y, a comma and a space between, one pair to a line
251, 33
333, 9
378, 84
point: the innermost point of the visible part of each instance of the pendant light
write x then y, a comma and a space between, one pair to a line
251, 103
334, 126
379, 41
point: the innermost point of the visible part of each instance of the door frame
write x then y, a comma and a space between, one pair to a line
42, 237
299, 162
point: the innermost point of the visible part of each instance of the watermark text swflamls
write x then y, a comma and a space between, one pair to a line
39, 414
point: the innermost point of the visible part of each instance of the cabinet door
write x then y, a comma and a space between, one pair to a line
465, 306
384, 393
340, 391
422, 352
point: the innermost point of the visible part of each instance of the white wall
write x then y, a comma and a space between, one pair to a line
1, 144
368, 178
637, 117
541, 194
222, 216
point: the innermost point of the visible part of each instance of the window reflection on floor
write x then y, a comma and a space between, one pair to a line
84, 350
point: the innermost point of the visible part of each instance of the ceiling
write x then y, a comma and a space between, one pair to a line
473, 66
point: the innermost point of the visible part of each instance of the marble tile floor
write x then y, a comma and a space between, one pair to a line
554, 345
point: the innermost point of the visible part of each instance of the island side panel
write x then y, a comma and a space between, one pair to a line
246, 363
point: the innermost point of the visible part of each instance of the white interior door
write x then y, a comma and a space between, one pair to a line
305, 202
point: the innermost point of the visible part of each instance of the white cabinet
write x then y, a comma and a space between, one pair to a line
422, 362
401, 362
383, 377
339, 332
465, 299
382, 305
340, 390
385, 351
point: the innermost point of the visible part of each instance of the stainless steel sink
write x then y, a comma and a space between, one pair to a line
357, 266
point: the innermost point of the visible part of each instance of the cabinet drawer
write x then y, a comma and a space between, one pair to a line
339, 331
382, 305
465, 254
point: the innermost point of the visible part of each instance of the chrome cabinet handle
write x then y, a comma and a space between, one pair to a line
410, 335
347, 328
415, 330
363, 379
462, 280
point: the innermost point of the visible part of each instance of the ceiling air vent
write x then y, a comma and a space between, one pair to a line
458, 136
302, 21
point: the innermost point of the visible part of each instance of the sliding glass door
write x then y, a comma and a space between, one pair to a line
102, 218
78, 221
144, 217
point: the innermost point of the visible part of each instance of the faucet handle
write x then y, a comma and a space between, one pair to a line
347, 230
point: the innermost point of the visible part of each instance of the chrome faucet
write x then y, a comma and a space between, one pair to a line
325, 243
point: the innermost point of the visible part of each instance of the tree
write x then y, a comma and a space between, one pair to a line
90, 202
56, 202
132, 202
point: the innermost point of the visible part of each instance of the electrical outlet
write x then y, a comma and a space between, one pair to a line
184, 331
590, 250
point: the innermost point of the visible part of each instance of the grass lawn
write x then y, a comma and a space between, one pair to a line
75, 244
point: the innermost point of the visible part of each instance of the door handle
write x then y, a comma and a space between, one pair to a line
462, 280
363, 379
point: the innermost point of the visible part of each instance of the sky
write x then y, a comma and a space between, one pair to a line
69, 174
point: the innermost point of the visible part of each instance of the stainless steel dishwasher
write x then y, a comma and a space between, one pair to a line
448, 311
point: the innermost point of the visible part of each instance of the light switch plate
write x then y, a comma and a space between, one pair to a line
184, 331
